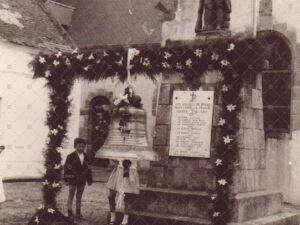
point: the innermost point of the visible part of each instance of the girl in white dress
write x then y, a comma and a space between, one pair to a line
124, 179
2, 195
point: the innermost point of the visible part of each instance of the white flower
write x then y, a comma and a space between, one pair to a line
231, 107
231, 47
132, 52
188, 62
45, 183
51, 210
215, 56
60, 127
167, 55
86, 68
165, 65
198, 53
54, 131
55, 63
79, 57
37, 220
213, 197
218, 162
55, 185
47, 74
59, 148
42, 60
224, 88
57, 166
227, 140
179, 66
75, 51
59, 54
221, 122
224, 62
216, 214
105, 53
68, 62
146, 62
222, 182
91, 56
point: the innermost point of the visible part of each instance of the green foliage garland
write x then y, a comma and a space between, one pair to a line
235, 59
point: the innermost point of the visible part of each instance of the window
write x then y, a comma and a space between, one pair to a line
276, 82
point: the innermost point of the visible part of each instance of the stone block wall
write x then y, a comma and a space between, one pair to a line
180, 173
251, 170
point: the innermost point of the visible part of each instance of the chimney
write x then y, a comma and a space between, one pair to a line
61, 10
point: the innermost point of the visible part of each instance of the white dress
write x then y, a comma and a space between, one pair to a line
119, 183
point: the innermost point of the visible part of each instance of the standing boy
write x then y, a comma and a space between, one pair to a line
77, 174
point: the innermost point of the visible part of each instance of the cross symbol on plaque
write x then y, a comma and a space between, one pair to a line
193, 95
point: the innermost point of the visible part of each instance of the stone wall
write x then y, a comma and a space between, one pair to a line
178, 172
252, 153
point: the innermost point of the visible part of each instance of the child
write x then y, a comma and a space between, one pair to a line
123, 179
77, 174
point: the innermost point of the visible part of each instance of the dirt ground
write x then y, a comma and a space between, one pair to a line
23, 198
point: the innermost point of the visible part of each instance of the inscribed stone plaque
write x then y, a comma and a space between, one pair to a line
191, 123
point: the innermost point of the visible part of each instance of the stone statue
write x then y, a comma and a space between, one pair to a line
213, 15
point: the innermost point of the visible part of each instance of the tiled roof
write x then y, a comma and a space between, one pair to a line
117, 22
25, 22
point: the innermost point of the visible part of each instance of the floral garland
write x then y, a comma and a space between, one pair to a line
100, 126
235, 59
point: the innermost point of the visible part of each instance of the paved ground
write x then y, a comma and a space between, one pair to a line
24, 197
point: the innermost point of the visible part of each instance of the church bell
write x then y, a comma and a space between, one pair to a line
127, 137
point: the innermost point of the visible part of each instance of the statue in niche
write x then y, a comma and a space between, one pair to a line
213, 15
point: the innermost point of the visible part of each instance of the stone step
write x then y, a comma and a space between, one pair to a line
252, 205
286, 218
183, 178
192, 204
144, 218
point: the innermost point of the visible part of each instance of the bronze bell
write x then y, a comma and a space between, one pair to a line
127, 138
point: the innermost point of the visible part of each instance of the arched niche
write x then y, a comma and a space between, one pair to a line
276, 82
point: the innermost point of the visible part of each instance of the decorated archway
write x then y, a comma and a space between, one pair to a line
234, 58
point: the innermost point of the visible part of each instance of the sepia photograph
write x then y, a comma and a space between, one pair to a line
149, 112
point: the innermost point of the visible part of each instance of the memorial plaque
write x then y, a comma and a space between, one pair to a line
191, 123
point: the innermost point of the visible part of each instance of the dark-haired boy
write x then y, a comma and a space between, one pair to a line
76, 175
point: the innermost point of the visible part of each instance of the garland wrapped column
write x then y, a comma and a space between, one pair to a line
234, 58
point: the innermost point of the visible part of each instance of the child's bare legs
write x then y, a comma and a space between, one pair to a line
112, 205
125, 217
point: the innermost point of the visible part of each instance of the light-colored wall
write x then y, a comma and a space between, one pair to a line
24, 103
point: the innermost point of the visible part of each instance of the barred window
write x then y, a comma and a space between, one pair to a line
276, 82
